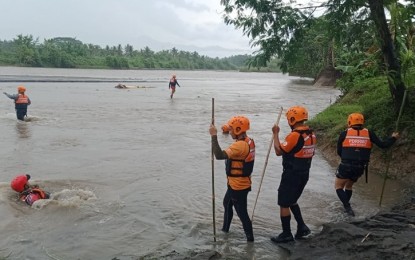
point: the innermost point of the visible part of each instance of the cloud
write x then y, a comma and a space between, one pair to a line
137, 22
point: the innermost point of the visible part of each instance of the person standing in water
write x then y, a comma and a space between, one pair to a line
240, 157
354, 146
297, 152
21, 102
172, 85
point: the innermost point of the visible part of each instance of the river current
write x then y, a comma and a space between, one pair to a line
130, 170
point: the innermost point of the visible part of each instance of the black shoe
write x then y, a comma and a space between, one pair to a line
283, 238
349, 211
303, 231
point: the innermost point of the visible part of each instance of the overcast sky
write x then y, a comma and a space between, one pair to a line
190, 25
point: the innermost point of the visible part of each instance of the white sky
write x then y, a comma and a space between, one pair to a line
190, 25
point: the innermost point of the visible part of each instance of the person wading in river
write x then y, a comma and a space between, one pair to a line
354, 146
240, 157
21, 101
172, 85
297, 151
28, 193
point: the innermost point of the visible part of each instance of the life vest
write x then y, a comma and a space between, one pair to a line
173, 83
303, 152
32, 195
356, 145
22, 99
242, 168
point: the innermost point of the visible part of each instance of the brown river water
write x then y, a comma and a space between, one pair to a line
130, 170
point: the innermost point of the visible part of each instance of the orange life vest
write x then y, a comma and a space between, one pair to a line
22, 99
356, 145
32, 195
239, 171
301, 160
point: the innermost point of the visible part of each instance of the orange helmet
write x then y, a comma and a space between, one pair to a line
225, 128
355, 119
239, 124
19, 182
296, 114
21, 89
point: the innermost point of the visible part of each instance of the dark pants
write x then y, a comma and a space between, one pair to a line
237, 199
21, 113
292, 186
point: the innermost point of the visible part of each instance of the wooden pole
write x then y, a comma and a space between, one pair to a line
389, 159
265, 166
213, 176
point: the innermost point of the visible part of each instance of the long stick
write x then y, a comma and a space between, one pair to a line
387, 166
213, 176
265, 165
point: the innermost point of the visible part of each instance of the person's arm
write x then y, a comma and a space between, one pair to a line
217, 151
277, 144
29, 102
383, 144
342, 136
177, 83
11, 96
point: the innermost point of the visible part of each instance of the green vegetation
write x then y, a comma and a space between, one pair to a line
371, 49
369, 97
63, 52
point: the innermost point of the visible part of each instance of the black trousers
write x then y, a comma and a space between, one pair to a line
21, 113
237, 199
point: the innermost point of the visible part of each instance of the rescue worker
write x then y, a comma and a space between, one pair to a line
172, 84
28, 193
225, 129
239, 160
21, 102
297, 152
354, 146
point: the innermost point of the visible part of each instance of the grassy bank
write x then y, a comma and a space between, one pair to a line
372, 98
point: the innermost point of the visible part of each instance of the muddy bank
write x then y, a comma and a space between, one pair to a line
387, 235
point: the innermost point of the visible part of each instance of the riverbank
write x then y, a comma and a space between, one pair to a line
386, 235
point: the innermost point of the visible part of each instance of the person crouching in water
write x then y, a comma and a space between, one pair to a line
28, 193
240, 157
172, 85
297, 152
21, 102
354, 146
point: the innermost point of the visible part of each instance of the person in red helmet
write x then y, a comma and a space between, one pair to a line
172, 85
28, 193
354, 146
21, 102
297, 152
240, 157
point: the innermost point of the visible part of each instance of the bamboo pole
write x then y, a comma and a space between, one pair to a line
213, 176
386, 176
265, 165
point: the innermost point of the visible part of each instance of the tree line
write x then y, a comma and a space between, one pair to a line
360, 39
66, 52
